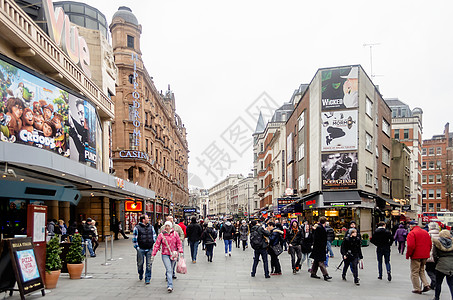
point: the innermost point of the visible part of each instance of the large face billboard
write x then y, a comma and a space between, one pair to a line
37, 113
339, 130
339, 170
340, 88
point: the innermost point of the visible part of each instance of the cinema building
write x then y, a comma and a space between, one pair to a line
55, 118
338, 151
149, 139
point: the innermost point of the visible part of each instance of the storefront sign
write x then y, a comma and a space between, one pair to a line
134, 154
332, 213
67, 36
346, 203
289, 192
406, 207
135, 105
189, 210
133, 206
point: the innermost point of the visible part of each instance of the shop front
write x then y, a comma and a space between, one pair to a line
133, 211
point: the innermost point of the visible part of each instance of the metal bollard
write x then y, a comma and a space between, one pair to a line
86, 262
106, 237
111, 250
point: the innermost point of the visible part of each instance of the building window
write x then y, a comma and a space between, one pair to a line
431, 165
261, 147
131, 141
423, 178
424, 165
431, 207
386, 127
130, 174
146, 119
431, 179
424, 194
431, 151
431, 194
262, 183
301, 151
385, 156
439, 164
423, 151
397, 134
262, 165
439, 151
146, 145
302, 120
131, 112
369, 177
385, 185
131, 79
438, 206
130, 41
369, 107
439, 194
301, 182
368, 142
438, 178
406, 134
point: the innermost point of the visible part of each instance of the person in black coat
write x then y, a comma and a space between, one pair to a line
294, 239
194, 232
209, 236
307, 244
352, 252
383, 240
319, 250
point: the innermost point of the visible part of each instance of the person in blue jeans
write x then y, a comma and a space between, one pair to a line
227, 231
87, 234
383, 239
260, 234
143, 241
194, 232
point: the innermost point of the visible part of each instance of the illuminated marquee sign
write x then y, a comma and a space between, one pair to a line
67, 36
134, 154
135, 106
133, 206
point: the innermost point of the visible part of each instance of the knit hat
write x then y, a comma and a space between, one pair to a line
433, 226
168, 223
445, 234
210, 224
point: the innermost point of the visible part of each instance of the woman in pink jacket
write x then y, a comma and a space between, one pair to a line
171, 245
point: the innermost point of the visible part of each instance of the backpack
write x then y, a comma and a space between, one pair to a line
256, 240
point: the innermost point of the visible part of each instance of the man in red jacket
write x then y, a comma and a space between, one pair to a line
418, 250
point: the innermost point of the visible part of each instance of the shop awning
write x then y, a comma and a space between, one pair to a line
390, 202
341, 196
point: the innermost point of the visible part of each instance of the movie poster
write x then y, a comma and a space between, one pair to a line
37, 113
27, 265
339, 170
339, 130
340, 88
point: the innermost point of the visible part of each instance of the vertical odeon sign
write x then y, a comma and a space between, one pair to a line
135, 105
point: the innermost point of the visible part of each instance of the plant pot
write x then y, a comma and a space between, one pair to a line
75, 270
365, 243
52, 279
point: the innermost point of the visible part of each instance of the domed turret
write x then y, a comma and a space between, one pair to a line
126, 14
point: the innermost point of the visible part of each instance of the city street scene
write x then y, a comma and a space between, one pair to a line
249, 149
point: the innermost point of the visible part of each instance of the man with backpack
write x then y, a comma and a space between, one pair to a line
143, 240
259, 241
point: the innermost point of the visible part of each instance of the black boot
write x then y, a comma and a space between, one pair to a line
313, 276
327, 277
356, 281
343, 276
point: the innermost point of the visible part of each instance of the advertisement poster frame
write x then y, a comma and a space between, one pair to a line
339, 130
339, 88
339, 170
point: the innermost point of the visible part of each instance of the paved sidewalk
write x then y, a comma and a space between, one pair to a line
229, 278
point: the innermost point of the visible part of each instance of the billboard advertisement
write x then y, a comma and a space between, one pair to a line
339, 170
340, 88
40, 114
339, 130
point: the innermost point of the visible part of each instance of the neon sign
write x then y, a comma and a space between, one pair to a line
135, 105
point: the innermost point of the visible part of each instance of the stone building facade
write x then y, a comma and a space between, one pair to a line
149, 139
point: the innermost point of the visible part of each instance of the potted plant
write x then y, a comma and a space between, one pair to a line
74, 258
339, 238
365, 240
53, 262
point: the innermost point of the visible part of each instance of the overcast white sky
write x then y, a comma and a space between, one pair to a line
219, 57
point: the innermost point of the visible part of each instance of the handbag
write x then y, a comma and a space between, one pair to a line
278, 249
215, 244
173, 254
361, 264
181, 267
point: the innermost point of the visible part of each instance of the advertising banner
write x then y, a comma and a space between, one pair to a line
339, 171
40, 114
340, 88
339, 130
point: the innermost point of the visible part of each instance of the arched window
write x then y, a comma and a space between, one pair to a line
131, 79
